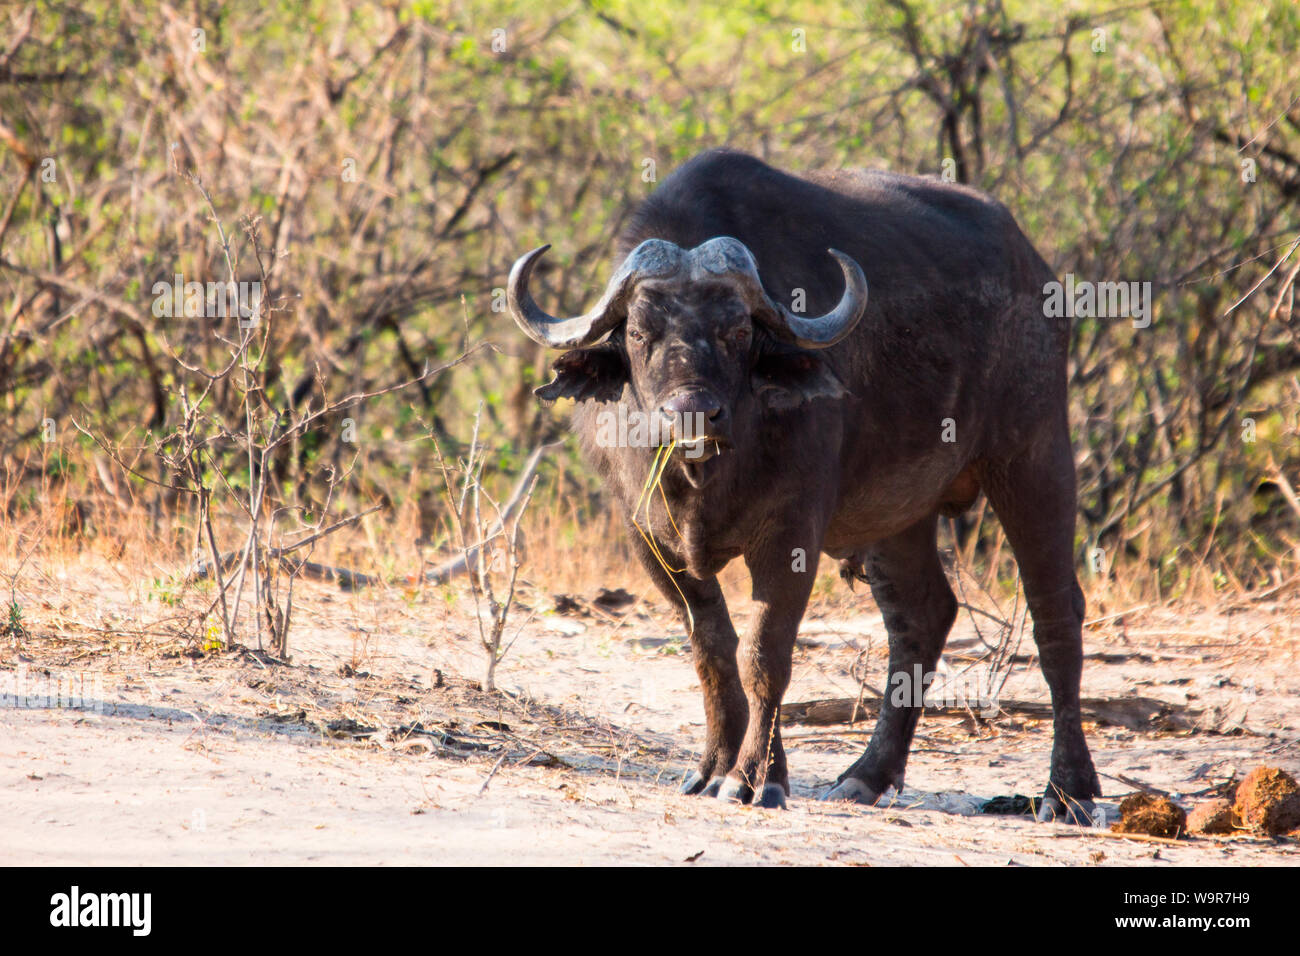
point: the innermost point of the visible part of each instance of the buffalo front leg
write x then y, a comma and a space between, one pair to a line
912, 592
1034, 498
713, 650
782, 575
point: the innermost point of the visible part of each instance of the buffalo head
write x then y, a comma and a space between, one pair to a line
694, 335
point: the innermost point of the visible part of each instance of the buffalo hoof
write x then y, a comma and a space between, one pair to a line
695, 784
772, 796
852, 790
1081, 813
735, 791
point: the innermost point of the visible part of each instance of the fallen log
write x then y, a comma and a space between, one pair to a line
349, 580
469, 557
1133, 713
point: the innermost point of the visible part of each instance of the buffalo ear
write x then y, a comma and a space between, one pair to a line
787, 377
599, 373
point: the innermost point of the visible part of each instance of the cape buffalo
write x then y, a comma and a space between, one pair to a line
829, 421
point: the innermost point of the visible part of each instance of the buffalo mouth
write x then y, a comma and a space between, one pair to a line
694, 451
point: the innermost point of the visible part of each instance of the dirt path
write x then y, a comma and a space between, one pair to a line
227, 760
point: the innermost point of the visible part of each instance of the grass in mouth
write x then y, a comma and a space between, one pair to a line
653, 482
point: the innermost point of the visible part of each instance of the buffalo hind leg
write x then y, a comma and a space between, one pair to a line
713, 649
1034, 498
912, 592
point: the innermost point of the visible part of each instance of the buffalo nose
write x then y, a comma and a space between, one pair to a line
692, 414
691, 403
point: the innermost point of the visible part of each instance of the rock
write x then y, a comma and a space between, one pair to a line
1213, 816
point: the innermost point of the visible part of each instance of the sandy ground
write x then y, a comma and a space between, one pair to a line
171, 757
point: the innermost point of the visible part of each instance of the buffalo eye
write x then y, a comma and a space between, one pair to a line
635, 336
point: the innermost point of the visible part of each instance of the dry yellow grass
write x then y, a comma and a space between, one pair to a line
71, 531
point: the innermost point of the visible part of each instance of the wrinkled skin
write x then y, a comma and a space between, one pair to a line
842, 450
